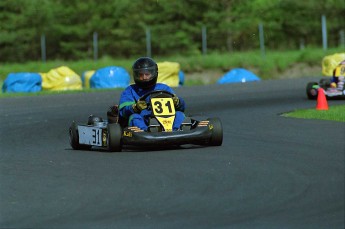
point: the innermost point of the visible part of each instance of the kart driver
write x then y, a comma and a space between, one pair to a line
145, 74
338, 78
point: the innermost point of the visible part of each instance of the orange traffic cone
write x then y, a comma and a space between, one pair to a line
321, 100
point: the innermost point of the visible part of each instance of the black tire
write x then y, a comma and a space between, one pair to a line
114, 137
217, 132
74, 138
311, 92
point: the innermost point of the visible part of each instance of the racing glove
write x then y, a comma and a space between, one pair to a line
113, 114
176, 100
113, 111
139, 106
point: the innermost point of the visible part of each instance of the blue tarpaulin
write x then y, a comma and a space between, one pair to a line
22, 82
110, 77
238, 75
181, 78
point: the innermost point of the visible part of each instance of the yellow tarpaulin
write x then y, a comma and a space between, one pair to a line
87, 76
340, 69
329, 63
168, 73
61, 78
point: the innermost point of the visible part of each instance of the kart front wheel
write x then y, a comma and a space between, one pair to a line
114, 137
311, 91
217, 132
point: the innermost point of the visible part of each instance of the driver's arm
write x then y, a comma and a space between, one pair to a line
126, 104
126, 109
181, 104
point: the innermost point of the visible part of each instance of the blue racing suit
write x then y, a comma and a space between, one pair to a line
131, 95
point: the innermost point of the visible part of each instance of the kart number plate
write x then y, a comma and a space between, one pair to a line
163, 106
90, 135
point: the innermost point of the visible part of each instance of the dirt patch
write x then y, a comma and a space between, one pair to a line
204, 77
298, 70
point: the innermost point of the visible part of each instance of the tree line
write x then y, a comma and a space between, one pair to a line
175, 26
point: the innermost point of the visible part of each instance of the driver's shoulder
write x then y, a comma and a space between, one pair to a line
129, 88
162, 86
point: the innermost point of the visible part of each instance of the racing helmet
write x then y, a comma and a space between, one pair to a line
145, 65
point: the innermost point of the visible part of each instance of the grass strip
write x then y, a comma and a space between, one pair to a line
334, 113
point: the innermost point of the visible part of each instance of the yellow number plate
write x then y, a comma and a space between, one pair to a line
163, 106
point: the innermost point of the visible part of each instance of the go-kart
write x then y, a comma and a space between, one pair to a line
114, 133
325, 83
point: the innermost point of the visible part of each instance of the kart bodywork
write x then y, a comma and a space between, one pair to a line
112, 134
325, 83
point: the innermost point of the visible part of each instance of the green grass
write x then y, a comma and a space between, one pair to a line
267, 67
334, 113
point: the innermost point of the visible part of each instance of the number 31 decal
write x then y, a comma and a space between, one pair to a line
163, 106
96, 136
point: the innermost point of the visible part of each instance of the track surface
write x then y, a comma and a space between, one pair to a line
270, 172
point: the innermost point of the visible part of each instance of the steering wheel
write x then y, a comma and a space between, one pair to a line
157, 93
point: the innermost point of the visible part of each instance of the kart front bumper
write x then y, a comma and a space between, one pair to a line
198, 136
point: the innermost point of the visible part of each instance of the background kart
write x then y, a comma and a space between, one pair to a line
325, 83
112, 134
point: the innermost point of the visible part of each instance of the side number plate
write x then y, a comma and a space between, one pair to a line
90, 135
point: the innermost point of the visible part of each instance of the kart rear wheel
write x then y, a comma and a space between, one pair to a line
217, 132
311, 92
114, 137
74, 138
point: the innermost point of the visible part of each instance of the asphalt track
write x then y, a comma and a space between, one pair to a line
270, 172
